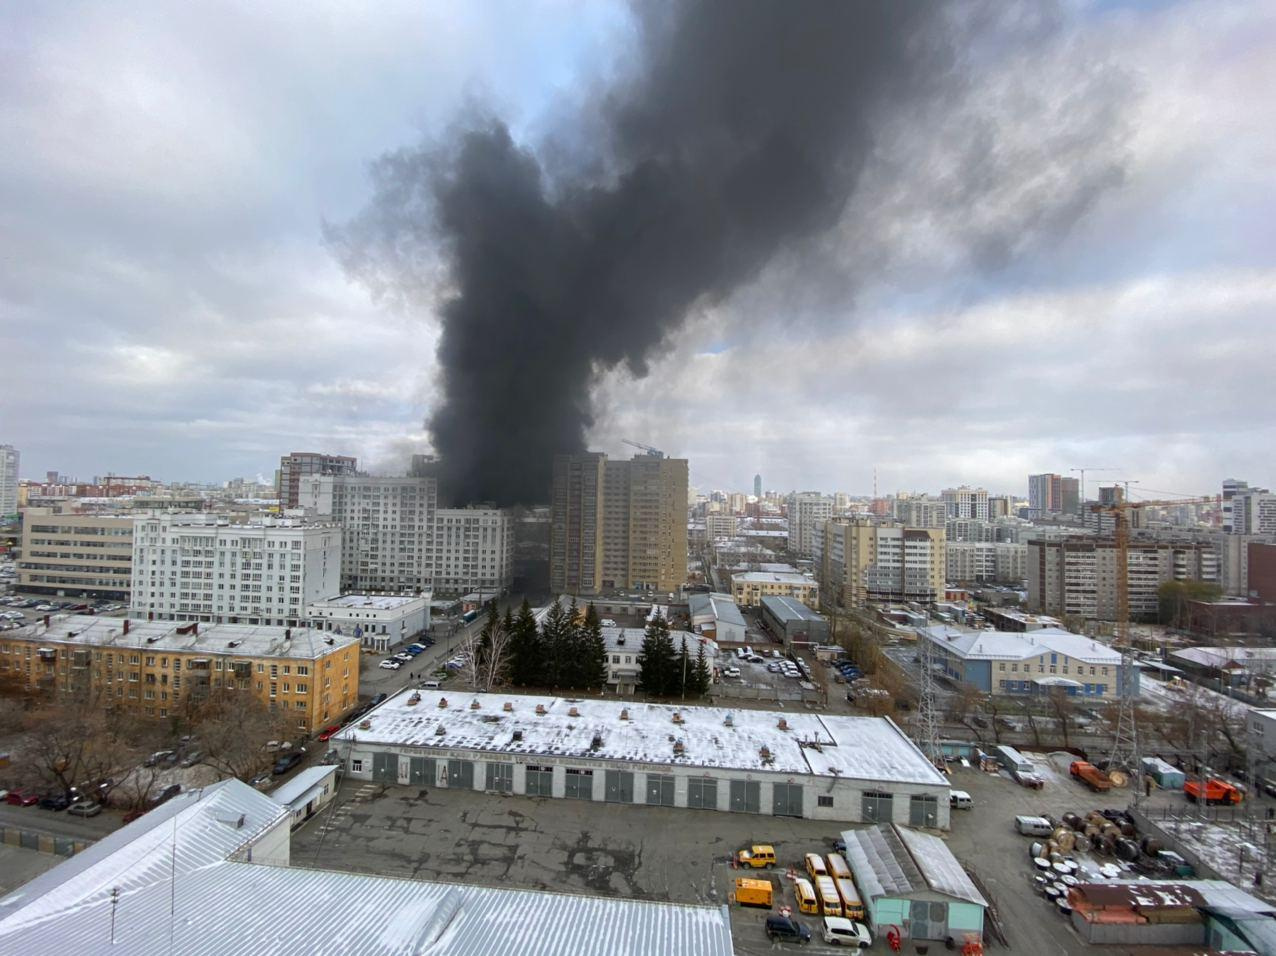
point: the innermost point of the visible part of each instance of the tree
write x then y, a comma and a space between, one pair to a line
703, 679
1173, 597
1064, 707
486, 651
685, 674
526, 663
556, 640
593, 652
657, 661
234, 727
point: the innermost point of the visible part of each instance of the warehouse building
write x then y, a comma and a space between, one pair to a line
717, 616
911, 879
308, 792
379, 621
208, 873
791, 620
849, 769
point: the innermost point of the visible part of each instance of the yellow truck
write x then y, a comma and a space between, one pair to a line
759, 856
753, 892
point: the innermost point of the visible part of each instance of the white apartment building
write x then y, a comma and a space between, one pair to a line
719, 525
388, 527
966, 502
806, 511
1000, 562
923, 512
864, 561
200, 567
1253, 512
9, 458
473, 550
379, 621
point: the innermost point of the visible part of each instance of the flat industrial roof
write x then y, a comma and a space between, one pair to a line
1018, 645
375, 602
770, 577
187, 886
222, 640
857, 748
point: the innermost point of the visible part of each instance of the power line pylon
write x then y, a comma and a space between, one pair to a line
927, 719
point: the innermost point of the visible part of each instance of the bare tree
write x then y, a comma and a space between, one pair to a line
1064, 708
234, 728
486, 652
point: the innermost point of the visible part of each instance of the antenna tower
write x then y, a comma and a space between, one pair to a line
927, 719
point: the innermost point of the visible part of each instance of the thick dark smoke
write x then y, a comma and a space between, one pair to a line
742, 131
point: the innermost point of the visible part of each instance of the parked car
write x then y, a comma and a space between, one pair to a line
328, 732
287, 762
786, 927
85, 808
159, 757
55, 801
390, 664
168, 793
192, 758
378, 699
844, 932
261, 779
22, 798
412, 650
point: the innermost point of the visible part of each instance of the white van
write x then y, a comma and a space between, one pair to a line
1033, 826
607, 622
960, 800
429, 685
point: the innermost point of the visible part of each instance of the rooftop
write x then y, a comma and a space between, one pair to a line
789, 609
769, 577
302, 782
858, 748
721, 606
226, 640
1015, 646
374, 602
182, 890
890, 860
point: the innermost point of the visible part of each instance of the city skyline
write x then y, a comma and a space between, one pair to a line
173, 279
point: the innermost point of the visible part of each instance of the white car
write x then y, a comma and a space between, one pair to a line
845, 932
731, 671
390, 665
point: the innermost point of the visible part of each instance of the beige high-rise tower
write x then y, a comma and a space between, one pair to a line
617, 525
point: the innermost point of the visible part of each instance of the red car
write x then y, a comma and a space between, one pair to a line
22, 798
328, 732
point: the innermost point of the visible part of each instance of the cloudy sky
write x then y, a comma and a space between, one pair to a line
169, 304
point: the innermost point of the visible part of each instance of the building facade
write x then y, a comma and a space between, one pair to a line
1053, 494
618, 525
748, 589
294, 467
160, 667
576, 524
864, 560
700, 758
203, 568
473, 551
1078, 576
377, 621
76, 555
977, 562
9, 459
807, 511
923, 512
966, 502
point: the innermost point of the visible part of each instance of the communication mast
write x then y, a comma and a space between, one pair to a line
927, 719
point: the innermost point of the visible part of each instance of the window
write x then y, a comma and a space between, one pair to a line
824, 800
356, 766
1001, 667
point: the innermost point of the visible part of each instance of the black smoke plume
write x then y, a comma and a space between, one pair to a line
741, 130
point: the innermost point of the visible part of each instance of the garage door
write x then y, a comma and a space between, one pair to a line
702, 793
423, 771
460, 775
500, 777
580, 784
928, 920
786, 800
660, 789
539, 782
746, 796
923, 810
620, 786
385, 768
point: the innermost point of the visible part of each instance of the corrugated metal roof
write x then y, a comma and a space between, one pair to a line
199, 903
304, 781
789, 609
890, 860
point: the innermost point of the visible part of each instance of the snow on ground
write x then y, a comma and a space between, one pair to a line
1169, 697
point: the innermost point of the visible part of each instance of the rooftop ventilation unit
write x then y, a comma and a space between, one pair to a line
624, 713
475, 705
508, 707
573, 712
442, 703
540, 710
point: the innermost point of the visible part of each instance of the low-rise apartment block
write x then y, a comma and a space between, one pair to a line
750, 588
159, 667
76, 555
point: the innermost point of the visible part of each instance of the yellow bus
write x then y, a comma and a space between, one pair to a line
837, 867
815, 866
852, 905
830, 902
805, 896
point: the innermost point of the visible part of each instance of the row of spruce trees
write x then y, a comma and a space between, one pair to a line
567, 652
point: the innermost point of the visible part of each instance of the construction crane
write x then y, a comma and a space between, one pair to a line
1125, 742
652, 452
1081, 490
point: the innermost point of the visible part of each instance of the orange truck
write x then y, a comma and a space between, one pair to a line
1212, 791
1090, 775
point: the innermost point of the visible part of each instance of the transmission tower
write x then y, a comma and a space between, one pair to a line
1125, 742
927, 719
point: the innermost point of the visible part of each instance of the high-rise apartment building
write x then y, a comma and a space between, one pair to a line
294, 467
203, 568
757, 487
9, 458
976, 562
73, 555
1075, 575
1253, 512
576, 524
618, 525
920, 512
1053, 494
807, 510
473, 550
865, 560
966, 502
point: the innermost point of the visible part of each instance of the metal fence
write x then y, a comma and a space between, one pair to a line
42, 842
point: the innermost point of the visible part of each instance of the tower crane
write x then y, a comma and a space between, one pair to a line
1125, 743
1081, 490
652, 452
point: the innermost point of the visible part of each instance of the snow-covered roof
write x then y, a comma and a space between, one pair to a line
1017, 646
769, 577
789, 609
373, 602
302, 783
890, 860
200, 902
628, 640
215, 640
1224, 656
855, 748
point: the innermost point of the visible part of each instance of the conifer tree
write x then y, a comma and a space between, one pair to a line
703, 679
526, 659
593, 652
555, 641
657, 661
684, 675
